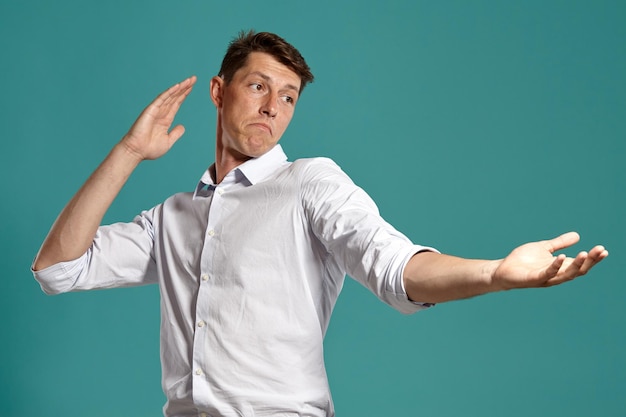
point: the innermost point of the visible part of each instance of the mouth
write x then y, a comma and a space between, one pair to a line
262, 126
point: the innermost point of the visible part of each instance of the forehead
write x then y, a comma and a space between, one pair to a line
268, 67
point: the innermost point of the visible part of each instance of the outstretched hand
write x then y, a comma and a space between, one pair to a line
150, 136
535, 265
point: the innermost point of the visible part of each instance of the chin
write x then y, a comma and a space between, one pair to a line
259, 152
256, 151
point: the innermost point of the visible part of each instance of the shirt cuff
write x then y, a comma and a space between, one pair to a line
417, 249
60, 277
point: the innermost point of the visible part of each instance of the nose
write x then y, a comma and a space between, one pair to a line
270, 105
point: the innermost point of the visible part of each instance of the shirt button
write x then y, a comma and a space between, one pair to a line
201, 323
220, 191
198, 371
205, 277
211, 232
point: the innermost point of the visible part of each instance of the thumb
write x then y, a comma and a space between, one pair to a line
564, 241
176, 134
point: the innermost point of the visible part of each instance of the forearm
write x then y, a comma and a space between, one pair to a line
434, 278
150, 137
73, 231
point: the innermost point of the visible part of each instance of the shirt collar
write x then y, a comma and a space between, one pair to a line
254, 170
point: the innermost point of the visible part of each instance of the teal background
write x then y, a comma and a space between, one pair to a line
475, 125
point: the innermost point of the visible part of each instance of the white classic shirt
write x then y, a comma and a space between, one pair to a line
249, 271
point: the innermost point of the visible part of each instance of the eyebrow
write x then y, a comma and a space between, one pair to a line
268, 78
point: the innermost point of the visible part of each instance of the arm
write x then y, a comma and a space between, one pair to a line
432, 277
73, 231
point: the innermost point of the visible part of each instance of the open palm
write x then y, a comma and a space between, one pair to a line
535, 265
150, 136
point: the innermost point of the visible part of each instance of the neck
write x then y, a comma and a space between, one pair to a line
226, 160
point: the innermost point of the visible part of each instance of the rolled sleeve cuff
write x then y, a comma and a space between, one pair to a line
60, 277
403, 303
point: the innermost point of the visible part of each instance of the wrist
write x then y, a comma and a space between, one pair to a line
491, 273
128, 155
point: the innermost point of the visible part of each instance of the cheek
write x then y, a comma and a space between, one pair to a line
238, 107
285, 122
233, 118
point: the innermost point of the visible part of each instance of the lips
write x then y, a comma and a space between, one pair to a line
262, 126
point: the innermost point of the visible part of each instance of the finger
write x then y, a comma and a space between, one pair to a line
561, 242
595, 255
185, 92
553, 269
571, 269
161, 98
599, 252
178, 100
164, 99
182, 88
172, 103
176, 134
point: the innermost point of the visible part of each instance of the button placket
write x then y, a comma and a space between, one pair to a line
202, 354
199, 353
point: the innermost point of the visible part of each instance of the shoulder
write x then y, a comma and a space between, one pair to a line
174, 203
318, 169
183, 196
322, 183
319, 161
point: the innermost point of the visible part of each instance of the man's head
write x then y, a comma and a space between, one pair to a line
255, 96
246, 43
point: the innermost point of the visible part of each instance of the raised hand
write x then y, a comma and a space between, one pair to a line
149, 138
151, 135
535, 264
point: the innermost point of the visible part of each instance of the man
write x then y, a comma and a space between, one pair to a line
250, 265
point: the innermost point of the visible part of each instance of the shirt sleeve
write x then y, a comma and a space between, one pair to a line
346, 220
121, 255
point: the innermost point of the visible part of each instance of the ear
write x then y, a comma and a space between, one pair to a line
216, 89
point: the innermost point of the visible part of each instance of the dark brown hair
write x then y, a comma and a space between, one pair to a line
285, 53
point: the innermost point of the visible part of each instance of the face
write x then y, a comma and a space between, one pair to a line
255, 107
